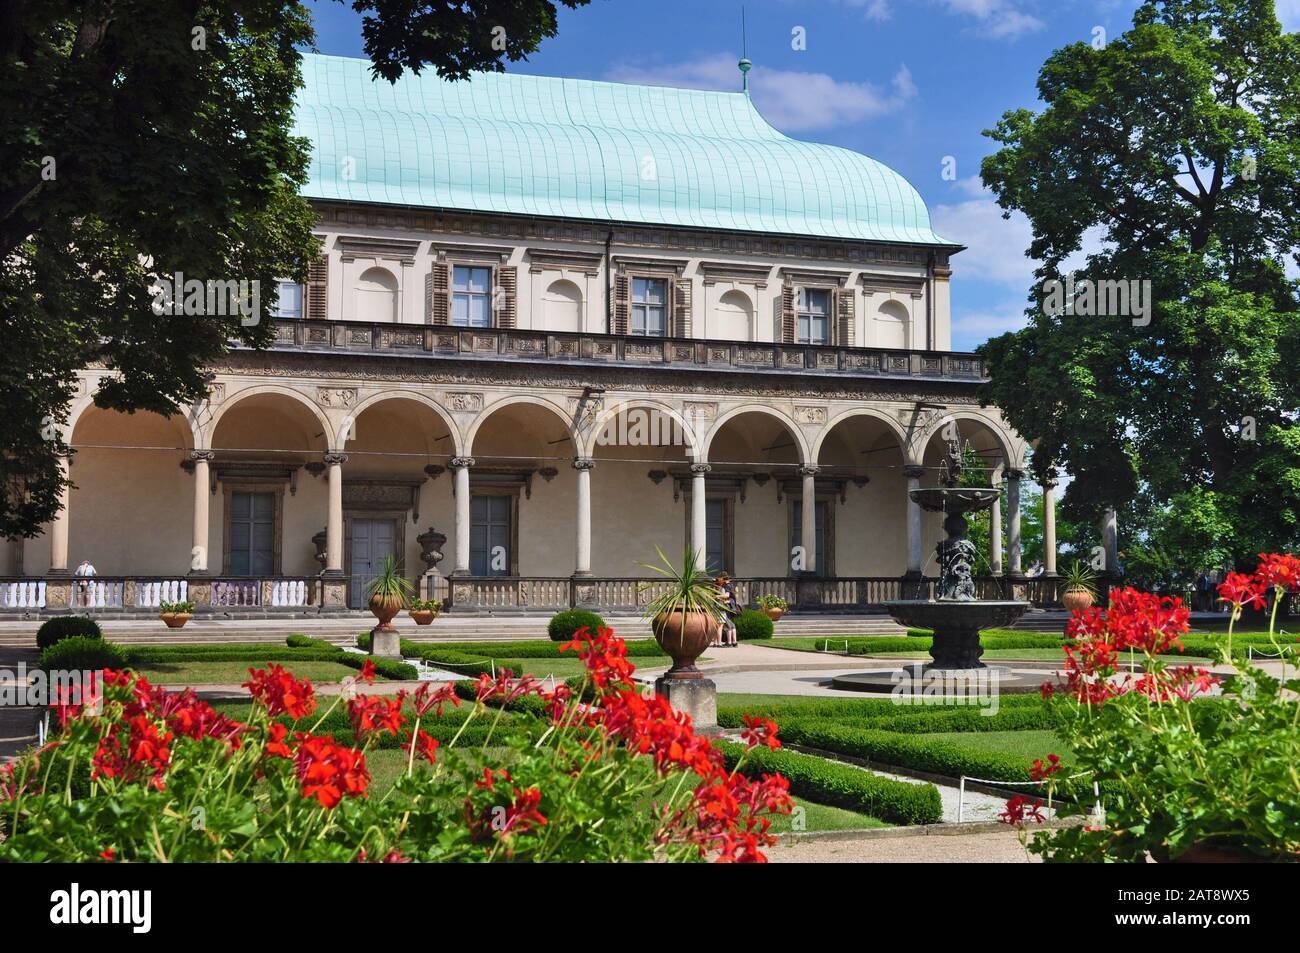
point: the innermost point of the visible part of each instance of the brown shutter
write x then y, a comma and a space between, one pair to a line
846, 311
316, 293
506, 303
681, 308
438, 290
787, 313
622, 305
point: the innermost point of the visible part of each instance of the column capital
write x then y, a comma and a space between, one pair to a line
1050, 483
335, 459
809, 469
204, 456
583, 463
1013, 474
913, 472
460, 463
699, 469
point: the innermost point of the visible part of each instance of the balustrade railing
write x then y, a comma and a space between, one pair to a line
139, 593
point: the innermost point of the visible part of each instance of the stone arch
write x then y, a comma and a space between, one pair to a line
233, 400
86, 402
891, 424
1007, 444
893, 325
588, 444
422, 399
515, 399
800, 441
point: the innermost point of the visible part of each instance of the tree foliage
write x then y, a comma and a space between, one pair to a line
1177, 145
141, 138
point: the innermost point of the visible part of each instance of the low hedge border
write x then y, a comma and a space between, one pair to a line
842, 785
532, 648
841, 709
968, 719
299, 648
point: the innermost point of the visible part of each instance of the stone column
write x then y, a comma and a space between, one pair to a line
59, 526
1049, 526
199, 545
995, 528
808, 517
582, 565
1013, 524
699, 520
913, 474
460, 467
334, 518
1110, 540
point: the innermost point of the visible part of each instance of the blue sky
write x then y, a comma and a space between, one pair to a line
908, 82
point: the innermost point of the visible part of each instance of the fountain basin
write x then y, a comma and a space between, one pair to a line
964, 499
956, 625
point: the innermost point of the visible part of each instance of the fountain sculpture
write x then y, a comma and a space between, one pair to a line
956, 617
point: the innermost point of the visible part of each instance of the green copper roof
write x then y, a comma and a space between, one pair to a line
570, 148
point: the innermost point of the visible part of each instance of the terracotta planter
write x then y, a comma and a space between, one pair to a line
684, 636
422, 616
176, 620
384, 608
774, 614
1076, 600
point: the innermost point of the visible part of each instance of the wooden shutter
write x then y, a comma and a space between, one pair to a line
316, 292
622, 304
506, 304
681, 327
787, 313
438, 291
846, 310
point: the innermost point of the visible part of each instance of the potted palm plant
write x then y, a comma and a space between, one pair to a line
773, 606
1078, 587
684, 613
389, 592
175, 614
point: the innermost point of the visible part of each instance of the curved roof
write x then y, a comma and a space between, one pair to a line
570, 148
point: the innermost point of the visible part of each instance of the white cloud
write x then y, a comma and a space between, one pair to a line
791, 100
1000, 19
877, 10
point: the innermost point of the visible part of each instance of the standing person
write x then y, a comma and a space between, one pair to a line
730, 608
1203, 587
85, 571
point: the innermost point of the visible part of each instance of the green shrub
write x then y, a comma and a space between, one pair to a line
752, 624
858, 709
395, 669
914, 719
166, 654
67, 627
82, 652
842, 785
564, 625
299, 641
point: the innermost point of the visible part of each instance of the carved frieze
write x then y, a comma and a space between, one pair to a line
463, 401
336, 396
804, 414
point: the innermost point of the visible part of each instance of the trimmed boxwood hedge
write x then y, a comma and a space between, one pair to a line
166, 654
67, 627
923, 720
752, 624
565, 624
81, 652
843, 785
857, 709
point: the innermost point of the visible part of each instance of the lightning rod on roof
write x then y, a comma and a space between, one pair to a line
744, 64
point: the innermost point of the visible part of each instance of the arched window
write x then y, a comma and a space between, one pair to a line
733, 319
893, 324
562, 306
377, 296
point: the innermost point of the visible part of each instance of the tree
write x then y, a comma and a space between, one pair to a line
1179, 144
142, 138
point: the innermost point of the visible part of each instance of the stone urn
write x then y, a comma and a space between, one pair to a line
423, 616
774, 614
176, 620
684, 636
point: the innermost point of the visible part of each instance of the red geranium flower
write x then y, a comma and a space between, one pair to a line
281, 693
1241, 590
760, 731
425, 744
1020, 808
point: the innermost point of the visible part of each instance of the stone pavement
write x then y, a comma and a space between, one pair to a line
17, 725
884, 847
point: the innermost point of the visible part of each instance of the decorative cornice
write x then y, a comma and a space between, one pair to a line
756, 275
555, 259
398, 249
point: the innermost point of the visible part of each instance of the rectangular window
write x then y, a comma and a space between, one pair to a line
715, 536
252, 534
649, 306
490, 535
471, 297
289, 302
822, 509
812, 312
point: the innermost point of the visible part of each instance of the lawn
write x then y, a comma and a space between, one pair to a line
1027, 744
223, 672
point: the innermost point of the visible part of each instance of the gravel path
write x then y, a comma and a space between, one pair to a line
998, 847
